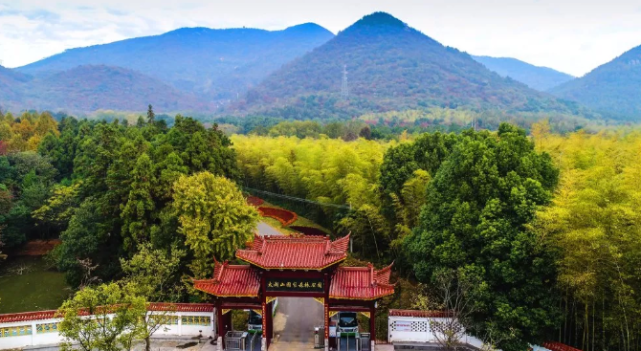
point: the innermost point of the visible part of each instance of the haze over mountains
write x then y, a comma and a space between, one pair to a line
195, 68
299, 72
613, 89
390, 66
539, 78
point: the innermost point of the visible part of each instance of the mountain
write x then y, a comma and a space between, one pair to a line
10, 81
214, 63
539, 78
90, 88
389, 66
613, 88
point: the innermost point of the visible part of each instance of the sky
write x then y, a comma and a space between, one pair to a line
573, 36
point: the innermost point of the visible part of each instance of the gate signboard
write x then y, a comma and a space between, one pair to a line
293, 284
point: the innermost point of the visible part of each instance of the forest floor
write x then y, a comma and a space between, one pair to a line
38, 247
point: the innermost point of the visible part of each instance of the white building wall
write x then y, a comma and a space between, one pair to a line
416, 330
180, 324
410, 329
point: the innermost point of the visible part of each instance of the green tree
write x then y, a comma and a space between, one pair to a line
5, 200
140, 122
138, 212
90, 235
151, 116
60, 207
214, 217
61, 150
98, 331
153, 274
366, 133
334, 130
2, 256
474, 220
408, 206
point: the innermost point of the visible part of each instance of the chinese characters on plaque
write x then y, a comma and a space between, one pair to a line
300, 285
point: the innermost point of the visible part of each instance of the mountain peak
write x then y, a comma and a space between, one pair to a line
613, 88
309, 29
391, 67
309, 26
380, 19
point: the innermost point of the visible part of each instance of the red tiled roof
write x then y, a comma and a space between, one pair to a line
231, 281
27, 316
156, 306
557, 346
361, 283
282, 252
419, 314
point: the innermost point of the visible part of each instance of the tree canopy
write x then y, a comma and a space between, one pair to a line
475, 215
214, 217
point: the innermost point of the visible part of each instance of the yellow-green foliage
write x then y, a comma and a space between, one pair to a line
26, 131
325, 170
213, 217
448, 116
486, 119
595, 222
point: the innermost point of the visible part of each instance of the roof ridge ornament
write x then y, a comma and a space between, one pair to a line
220, 272
371, 274
262, 248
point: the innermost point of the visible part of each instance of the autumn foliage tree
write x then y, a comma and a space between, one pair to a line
26, 131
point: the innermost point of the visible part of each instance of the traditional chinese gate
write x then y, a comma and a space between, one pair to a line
295, 267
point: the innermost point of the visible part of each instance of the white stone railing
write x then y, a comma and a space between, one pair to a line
19, 330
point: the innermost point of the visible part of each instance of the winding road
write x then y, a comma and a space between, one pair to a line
265, 229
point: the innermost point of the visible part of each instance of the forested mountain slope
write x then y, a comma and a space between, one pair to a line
539, 78
216, 63
91, 88
10, 82
390, 66
613, 88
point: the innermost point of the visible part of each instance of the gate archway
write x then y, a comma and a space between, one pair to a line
280, 266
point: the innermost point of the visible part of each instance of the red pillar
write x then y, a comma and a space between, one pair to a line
220, 320
326, 317
326, 310
270, 323
263, 301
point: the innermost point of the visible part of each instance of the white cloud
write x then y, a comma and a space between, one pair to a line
570, 35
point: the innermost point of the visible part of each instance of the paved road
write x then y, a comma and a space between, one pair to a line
294, 324
265, 229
